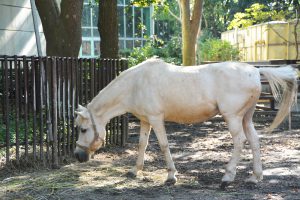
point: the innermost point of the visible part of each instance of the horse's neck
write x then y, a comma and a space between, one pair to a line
108, 103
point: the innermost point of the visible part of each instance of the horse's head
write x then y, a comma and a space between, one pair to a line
89, 139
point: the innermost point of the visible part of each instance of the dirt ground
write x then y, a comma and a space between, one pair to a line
200, 154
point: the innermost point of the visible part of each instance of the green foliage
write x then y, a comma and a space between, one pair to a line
144, 3
12, 130
169, 52
255, 14
217, 50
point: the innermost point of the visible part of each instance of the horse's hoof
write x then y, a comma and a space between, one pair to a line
170, 182
130, 175
224, 184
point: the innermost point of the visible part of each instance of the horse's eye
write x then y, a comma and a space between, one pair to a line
83, 130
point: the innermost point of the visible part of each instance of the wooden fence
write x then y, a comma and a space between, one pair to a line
38, 98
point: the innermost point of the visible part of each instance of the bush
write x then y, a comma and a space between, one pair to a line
169, 51
217, 50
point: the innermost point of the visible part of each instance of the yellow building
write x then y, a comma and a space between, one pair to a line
268, 41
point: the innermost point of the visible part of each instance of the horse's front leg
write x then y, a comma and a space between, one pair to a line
159, 129
143, 142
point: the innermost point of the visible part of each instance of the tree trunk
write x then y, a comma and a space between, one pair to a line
190, 28
61, 20
108, 28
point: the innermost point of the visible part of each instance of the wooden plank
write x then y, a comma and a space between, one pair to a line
54, 114
67, 77
17, 106
25, 65
7, 121
33, 95
41, 99
72, 102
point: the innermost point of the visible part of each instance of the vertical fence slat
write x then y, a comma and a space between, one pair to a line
33, 98
41, 102
68, 78
54, 113
25, 65
86, 82
72, 68
17, 95
124, 126
118, 142
47, 107
92, 79
64, 88
80, 79
59, 106
110, 75
6, 95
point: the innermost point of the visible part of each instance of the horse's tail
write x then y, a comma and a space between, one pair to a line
283, 83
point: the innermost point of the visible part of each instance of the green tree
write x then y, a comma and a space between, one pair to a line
255, 14
190, 17
269, 11
61, 21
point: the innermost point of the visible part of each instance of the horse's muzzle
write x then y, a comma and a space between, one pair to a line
81, 156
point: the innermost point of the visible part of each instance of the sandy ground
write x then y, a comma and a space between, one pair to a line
200, 154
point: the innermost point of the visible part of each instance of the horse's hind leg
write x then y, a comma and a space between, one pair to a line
252, 137
236, 130
143, 142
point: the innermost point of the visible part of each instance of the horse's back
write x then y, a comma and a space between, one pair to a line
191, 94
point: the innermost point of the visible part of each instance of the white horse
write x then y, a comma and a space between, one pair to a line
155, 91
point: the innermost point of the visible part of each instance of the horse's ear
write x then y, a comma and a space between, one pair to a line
80, 108
82, 114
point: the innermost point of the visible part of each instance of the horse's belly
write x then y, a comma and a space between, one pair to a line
191, 115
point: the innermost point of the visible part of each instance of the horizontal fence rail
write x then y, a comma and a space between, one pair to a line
38, 98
